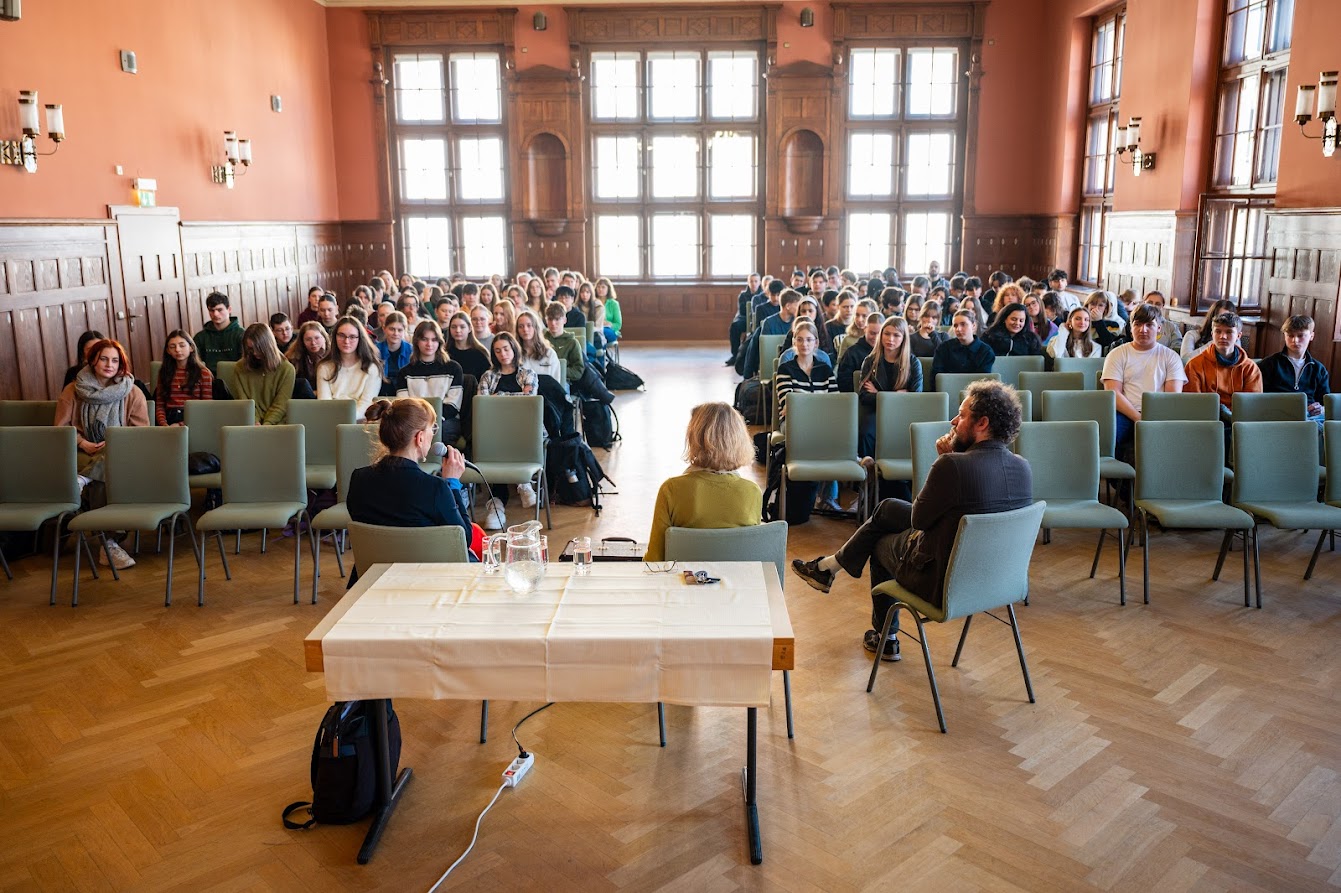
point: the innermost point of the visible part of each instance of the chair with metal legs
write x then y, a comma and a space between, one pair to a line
355, 446
147, 487
762, 542
988, 569
38, 483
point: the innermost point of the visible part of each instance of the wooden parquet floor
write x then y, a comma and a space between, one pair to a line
1190, 744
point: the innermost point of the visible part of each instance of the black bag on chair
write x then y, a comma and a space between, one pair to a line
201, 462
344, 765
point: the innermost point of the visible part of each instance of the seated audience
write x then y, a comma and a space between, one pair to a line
309, 313
328, 313
928, 336
1223, 367
351, 371
890, 367
965, 352
221, 338
582, 379
1197, 339
309, 348
1076, 338
263, 376
857, 351
1171, 336
432, 373
709, 494
481, 320
1039, 320
1104, 322
507, 376
282, 329
975, 474
464, 347
1295, 370
81, 354
1140, 367
103, 395
803, 372
394, 351
505, 317
181, 377
614, 319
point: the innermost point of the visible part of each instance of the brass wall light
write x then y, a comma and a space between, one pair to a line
22, 152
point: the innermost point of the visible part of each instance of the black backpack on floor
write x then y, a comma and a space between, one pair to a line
621, 378
572, 472
800, 494
752, 401
344, 765
600, 424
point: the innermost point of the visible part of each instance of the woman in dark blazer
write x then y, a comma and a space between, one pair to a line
394, 491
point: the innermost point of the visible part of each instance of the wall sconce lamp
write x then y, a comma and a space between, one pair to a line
236, 152
1325, 93
807, 18
539, 21
23, 151
1129, 141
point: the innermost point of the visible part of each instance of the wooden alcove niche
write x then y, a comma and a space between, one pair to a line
547, 184
802, 188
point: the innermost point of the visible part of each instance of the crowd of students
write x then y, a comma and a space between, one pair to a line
845, 332
393, 338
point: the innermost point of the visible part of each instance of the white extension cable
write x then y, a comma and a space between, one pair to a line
512, 776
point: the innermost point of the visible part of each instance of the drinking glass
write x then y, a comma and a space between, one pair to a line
582, 555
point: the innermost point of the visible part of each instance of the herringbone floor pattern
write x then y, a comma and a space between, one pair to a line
1186, 745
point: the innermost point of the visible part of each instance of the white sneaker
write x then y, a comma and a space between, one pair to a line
494, 516
83, 482
120, 560
526, 493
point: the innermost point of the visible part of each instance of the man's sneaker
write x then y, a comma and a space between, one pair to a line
120, 560
872, 643
526, 493
829, 504
494, 516
811, 572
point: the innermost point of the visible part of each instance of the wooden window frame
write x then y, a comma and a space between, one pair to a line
1098, 202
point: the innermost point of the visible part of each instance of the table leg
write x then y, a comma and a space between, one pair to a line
387, 795
751, 772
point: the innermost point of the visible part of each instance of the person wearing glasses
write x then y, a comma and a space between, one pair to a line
352, 371
709, 494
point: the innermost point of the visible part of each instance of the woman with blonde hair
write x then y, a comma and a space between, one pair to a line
891, 366
709, 494
505, 317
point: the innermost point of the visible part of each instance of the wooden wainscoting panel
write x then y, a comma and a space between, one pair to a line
320, 248
534, 249
57, 280
1020, 245
677, 312
785, 250
255, 264
1139, 251
368, 247
1304, 277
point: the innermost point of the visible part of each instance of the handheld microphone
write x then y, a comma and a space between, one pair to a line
439, 449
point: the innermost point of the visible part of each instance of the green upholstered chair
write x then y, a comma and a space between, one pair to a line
223, 371
319, 419
821, 434
507, 444
264, 486
926, 371
894, 414
1331, 407
1270, 408
954, 383
1064, 458
204, 420
1180, 481
988, 569
1035, 383
355, 446
922, 437
1091, 367
146, 488
1101, 406
375, 544
27, 413
1161, 406
762, 542
1281, 492
38, 483
1009, 368
1332, 445
770, 347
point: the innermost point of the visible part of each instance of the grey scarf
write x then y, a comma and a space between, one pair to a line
100, 406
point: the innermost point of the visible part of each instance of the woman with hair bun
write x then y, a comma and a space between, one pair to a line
710, 494
394, 491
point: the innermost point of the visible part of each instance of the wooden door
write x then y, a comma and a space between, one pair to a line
155, 289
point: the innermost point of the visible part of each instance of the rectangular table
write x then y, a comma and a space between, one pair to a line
450, 631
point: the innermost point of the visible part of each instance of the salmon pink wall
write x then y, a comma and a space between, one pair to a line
203, 69
353, 112
797, 44
1307, 179
549, 47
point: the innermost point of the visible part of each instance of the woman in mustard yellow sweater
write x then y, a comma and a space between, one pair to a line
709, 494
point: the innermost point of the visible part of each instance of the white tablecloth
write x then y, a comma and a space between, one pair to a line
449, 631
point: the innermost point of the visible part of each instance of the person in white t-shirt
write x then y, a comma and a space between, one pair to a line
1142, 366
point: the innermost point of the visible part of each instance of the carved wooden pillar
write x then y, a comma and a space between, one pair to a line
548, 149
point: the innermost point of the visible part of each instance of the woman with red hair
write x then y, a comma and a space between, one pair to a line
103, 395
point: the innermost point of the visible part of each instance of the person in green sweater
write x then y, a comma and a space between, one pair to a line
264, 376
614, 322
582, 379
710, 494
221, 338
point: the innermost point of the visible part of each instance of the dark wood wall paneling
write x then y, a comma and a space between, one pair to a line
57, 280
1150, 250
1020, 245
1304, 278
143, 273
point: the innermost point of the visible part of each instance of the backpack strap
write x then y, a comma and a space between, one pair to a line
294, 807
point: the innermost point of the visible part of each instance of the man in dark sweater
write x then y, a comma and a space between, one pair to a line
975, 474
738, 324
221, 338
1295, 370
